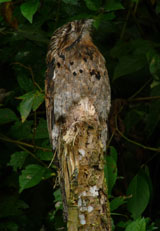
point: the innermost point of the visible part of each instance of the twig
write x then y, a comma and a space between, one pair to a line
34, 130
125, 24
24, 144
134, 142
144, 98
110, 139
32, 154
136, 6
139, 90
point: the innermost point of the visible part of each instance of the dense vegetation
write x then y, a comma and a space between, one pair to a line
127, 33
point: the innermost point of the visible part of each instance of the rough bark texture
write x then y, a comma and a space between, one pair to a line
82, 171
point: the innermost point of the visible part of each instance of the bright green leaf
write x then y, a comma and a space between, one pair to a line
138, 225
139, 190
17, 160
7, 116
32, 175
116, 202
110, 171
31, 100
26, 105
29, 8
128, 65
58, 201
38, 100
113, 5
57, 195
113, 153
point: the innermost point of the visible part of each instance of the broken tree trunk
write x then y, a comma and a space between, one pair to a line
81, 159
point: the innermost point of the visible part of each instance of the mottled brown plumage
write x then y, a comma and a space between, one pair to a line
75, 70
77, 104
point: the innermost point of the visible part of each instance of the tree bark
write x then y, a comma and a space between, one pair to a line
81, 159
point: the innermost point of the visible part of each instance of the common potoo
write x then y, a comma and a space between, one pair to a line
75, 70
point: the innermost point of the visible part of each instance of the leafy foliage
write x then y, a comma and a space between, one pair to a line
139, 191
127, 33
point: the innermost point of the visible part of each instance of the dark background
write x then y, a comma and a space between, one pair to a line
127, 33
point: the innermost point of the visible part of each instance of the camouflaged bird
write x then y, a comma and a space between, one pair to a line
75, 70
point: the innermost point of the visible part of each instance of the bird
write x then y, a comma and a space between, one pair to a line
76, 78
75, 70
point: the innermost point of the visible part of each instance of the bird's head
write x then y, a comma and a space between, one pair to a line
70, 33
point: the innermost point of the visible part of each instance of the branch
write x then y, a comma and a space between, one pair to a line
17, 142
134, 142
144, 98
32, 154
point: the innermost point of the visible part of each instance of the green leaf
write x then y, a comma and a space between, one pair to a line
113, 153
32, 175
11, 206
9, 226
25, 83
21, 130
57, 195
154, 63
47, 156
93, 5
110, 171
31, 100
7, 116
17, 160
1, 1
58, 201
121, 48
113, 5
138, 225
103, 18
38, 100
26, 105
116, 202
29, 8
42, 131
139, 189
128, 65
